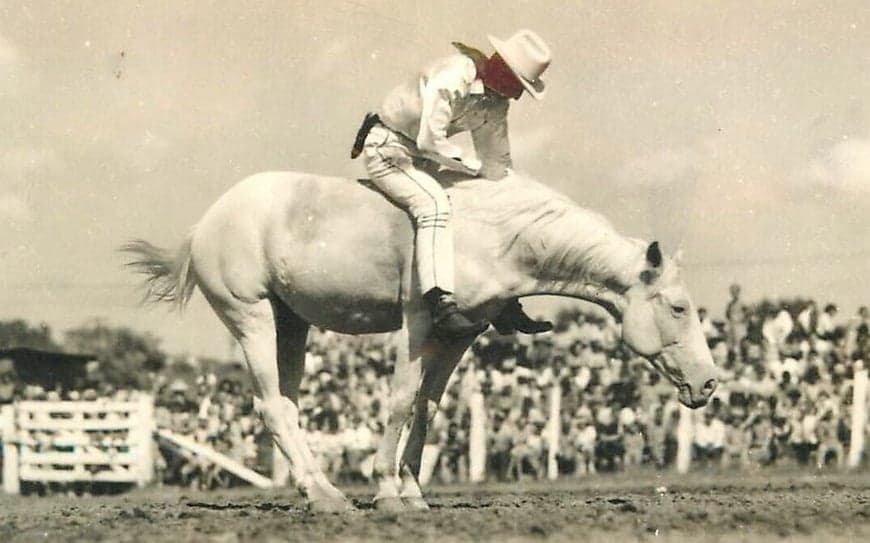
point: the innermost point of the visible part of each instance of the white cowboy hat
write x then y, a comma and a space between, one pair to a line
527, 56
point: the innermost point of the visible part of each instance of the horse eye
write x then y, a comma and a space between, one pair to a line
678, 309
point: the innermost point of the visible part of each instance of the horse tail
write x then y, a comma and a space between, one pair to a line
169, 278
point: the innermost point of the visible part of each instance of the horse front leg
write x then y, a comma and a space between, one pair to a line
403, 392
440, 358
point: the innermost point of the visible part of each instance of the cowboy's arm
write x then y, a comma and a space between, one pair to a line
438, 94
492, 145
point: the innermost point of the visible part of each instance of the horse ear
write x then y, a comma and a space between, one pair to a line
654, 255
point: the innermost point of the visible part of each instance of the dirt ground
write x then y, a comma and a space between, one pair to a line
763, 506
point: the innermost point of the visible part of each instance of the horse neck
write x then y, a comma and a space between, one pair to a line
570, 251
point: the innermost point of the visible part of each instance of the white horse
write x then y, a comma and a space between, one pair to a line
282, 251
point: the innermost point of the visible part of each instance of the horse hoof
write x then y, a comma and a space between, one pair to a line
390, 505
416, 504
330, 506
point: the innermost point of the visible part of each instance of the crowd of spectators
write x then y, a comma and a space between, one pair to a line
342, 395
785, 396
785, 374
784, 399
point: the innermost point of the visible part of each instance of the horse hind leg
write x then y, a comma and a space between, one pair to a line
292, 334
254, 325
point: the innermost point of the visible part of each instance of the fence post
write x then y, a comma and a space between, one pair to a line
145, 439
477, 438
859, 415
685, 434
555, 429
11, 481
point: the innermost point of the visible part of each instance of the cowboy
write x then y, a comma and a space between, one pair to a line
408, 136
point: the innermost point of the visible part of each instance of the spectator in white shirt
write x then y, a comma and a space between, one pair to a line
709, 441
826, 327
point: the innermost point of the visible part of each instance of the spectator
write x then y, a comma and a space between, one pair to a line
501, 444
709, 439
808, 319
735, 315
583, 439
827, 328
610, 447
8, 379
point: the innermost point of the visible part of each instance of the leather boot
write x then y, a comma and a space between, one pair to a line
448, 321
513, 319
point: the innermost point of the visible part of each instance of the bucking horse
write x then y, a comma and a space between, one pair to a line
283, 251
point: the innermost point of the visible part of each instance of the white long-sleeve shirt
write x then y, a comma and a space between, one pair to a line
446, 98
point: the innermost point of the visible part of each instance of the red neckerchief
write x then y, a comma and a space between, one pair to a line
493, 71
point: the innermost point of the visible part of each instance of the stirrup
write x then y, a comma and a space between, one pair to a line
448, 321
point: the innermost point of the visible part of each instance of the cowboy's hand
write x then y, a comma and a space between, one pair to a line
473, 164
469, 166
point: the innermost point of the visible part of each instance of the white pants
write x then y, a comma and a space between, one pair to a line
389, 159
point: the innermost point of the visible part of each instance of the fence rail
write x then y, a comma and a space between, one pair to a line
61, 442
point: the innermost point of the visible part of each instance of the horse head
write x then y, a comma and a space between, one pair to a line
659, 322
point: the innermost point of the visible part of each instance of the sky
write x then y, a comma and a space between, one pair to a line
738, 132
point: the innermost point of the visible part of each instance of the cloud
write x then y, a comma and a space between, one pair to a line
845, 166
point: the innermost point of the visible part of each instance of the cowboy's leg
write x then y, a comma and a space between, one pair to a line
390, 163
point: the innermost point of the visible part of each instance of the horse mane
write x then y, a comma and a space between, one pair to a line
550, 231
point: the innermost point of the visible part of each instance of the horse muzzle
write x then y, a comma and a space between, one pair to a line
693, 398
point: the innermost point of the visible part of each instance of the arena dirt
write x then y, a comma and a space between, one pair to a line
762, 506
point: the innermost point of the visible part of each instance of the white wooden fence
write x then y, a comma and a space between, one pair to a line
100, 441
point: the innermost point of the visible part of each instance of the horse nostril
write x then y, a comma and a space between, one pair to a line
709, 387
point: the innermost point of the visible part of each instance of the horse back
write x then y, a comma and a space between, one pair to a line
335, 250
